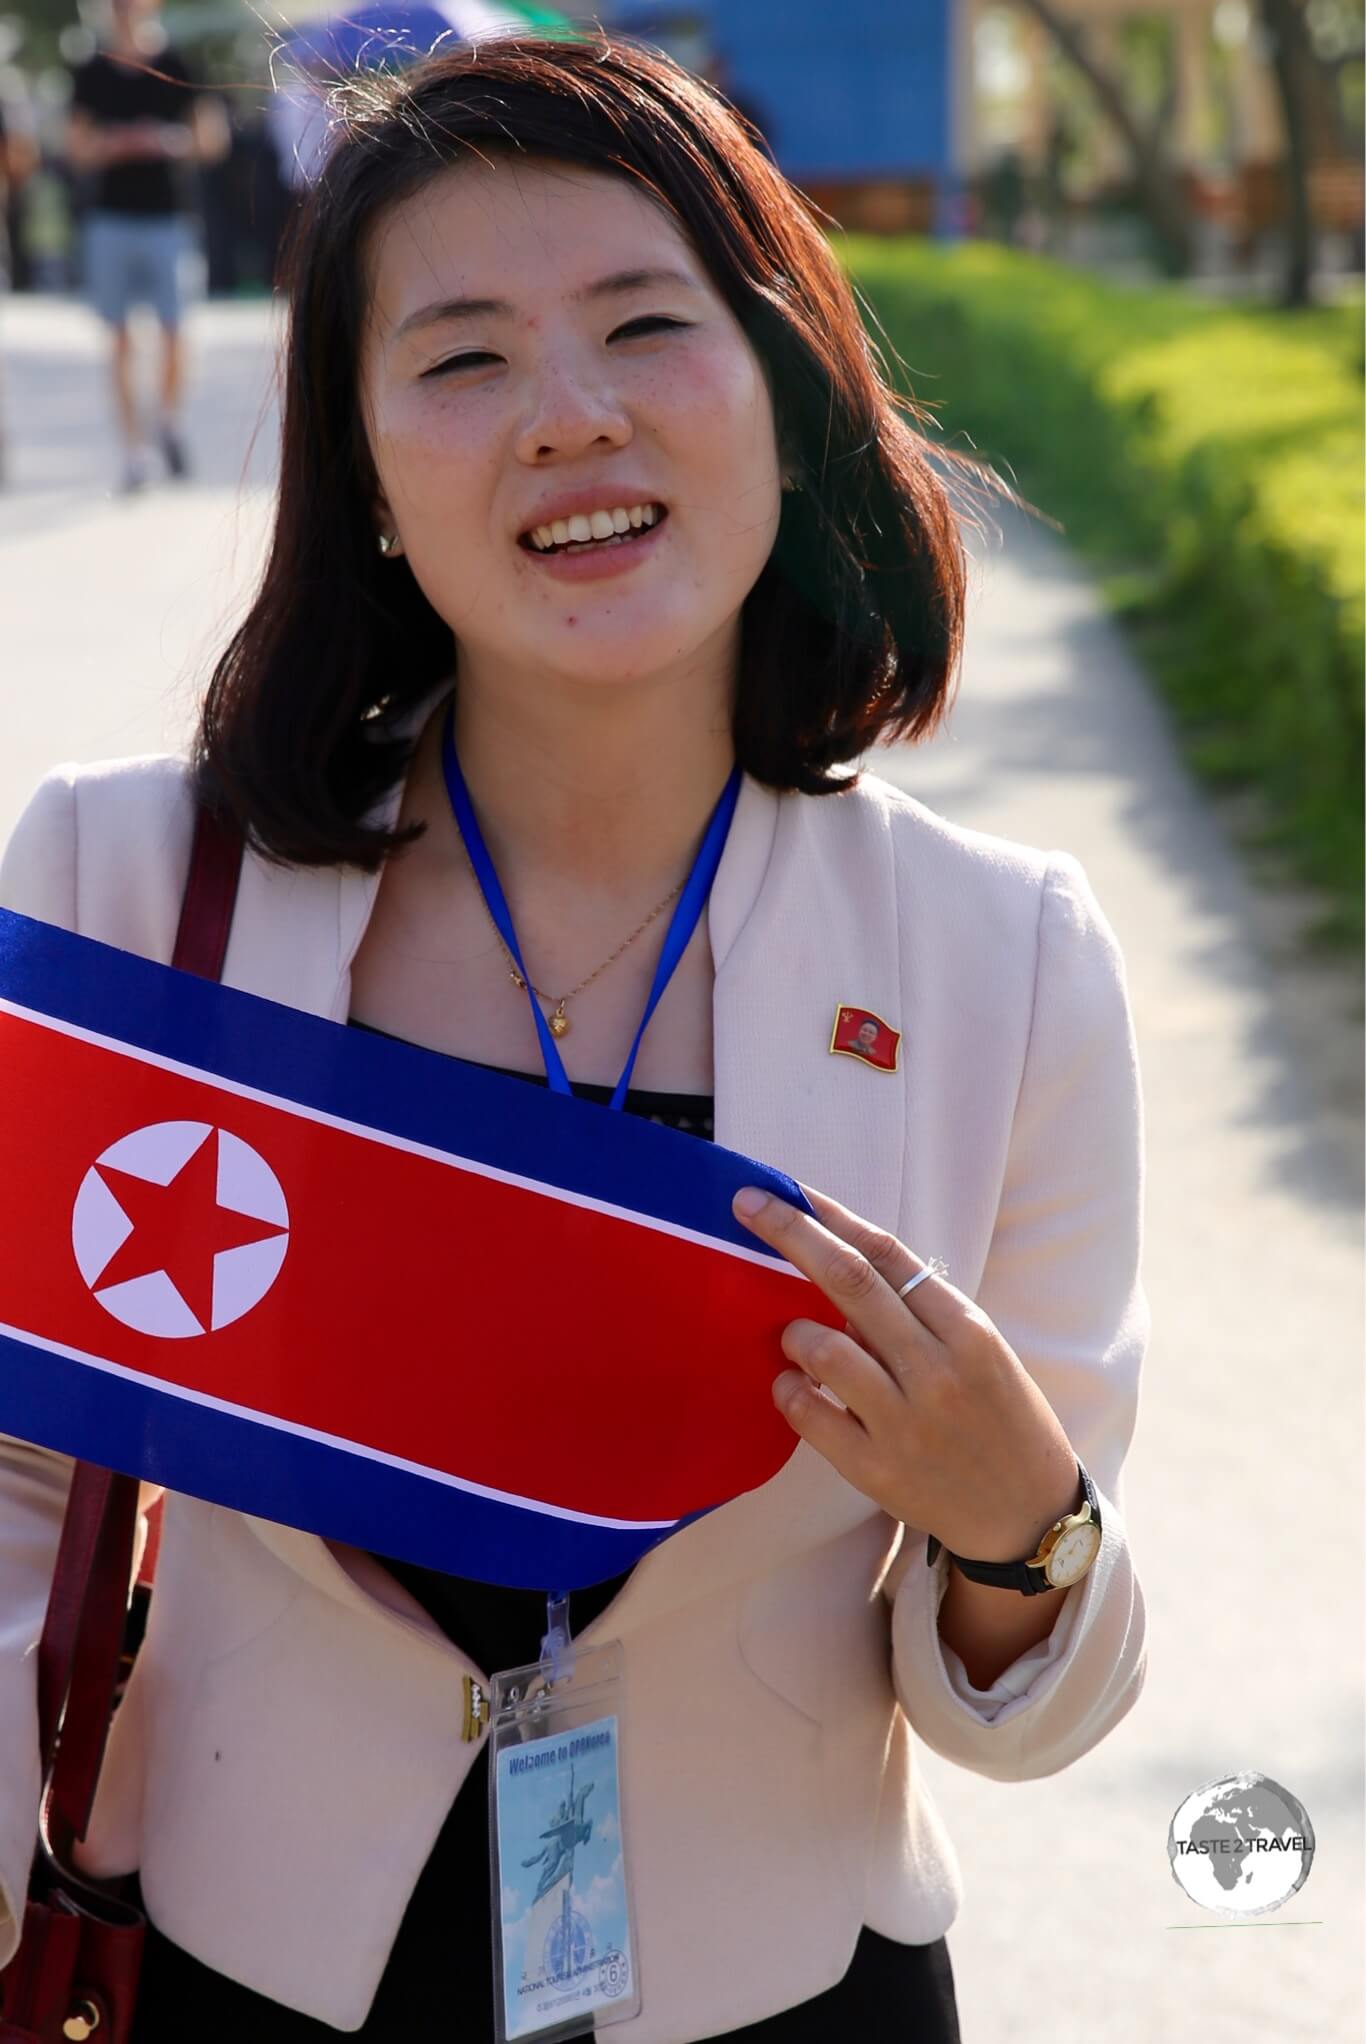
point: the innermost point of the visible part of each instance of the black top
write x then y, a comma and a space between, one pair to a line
892, 1991
116, 92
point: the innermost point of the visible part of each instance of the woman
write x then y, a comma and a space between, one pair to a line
540, 282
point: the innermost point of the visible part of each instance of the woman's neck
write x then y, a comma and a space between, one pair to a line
594, 790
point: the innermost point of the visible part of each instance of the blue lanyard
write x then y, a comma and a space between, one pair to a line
682, 924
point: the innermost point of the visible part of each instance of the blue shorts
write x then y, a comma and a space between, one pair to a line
136, 259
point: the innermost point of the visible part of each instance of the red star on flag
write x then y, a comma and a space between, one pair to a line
179, 1228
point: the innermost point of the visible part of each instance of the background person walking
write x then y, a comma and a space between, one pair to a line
17, 159
138, 121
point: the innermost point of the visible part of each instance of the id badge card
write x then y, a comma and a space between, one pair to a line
563, 1948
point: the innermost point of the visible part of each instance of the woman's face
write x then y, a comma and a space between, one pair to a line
642, 393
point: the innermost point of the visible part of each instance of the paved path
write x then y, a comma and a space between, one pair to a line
110, 608
1244, 1487
1244, 1484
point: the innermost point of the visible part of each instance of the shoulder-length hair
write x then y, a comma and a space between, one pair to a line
853, 630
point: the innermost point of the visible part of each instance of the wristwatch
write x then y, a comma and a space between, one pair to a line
1062, 1558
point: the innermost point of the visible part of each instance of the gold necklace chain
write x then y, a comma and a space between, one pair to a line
559, 1021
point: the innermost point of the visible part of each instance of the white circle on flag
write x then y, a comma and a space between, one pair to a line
244, 1185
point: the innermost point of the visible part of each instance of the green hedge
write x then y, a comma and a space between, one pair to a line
1207, 462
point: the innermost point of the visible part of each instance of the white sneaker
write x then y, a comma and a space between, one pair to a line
134, 476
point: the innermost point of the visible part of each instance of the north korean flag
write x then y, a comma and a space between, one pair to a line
369, 1291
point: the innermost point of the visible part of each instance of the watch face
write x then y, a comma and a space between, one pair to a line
1073, 1555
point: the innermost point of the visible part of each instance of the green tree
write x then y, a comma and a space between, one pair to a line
1157, 188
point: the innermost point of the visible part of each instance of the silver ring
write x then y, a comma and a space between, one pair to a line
934, 1268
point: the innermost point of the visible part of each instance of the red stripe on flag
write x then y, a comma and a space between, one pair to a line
498, 1334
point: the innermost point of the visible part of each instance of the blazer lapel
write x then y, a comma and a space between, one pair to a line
297, 928
285, 941
804, 918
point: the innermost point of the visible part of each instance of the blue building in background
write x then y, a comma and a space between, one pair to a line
856, 97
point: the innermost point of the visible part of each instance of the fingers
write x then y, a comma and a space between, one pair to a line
833, 1361
860, 1281
837, 1435
892, 1260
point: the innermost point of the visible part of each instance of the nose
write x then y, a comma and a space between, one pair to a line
572, 410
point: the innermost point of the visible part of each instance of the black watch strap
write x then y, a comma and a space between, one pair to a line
1014, 1575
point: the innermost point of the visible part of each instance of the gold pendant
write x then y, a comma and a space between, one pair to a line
559, 1022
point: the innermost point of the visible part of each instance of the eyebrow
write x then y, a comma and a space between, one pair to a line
616, 286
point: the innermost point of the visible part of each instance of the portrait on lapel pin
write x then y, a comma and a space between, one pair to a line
861, 1034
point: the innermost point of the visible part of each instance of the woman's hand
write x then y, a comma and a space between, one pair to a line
944, 1428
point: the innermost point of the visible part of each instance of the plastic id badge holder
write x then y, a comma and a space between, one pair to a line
564, 1962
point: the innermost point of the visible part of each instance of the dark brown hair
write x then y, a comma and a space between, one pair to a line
853, 629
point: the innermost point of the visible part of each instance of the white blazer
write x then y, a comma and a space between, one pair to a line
292, 1736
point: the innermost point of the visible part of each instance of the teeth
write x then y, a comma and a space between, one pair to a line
599, 525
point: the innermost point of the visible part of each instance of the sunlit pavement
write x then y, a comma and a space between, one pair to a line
1244, 1485
111, 608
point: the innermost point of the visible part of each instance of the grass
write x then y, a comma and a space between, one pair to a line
1206, 462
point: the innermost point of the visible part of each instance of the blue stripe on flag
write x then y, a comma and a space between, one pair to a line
274, 1472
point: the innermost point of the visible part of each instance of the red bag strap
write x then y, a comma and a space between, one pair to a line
201, 942
78, 1655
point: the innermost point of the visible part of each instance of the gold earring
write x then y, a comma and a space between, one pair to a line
791, 483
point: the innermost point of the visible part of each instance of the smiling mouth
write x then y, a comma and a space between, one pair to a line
594, 546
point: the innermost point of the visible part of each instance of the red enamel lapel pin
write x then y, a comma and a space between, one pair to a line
860, 1033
